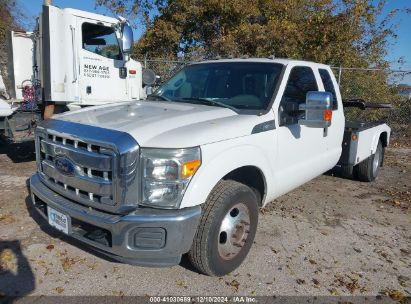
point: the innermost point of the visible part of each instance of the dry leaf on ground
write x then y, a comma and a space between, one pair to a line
50, 247
234, 283
181, 283
59, 289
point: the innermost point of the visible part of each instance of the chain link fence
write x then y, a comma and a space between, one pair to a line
163, 67
369, 85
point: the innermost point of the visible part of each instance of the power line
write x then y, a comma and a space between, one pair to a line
372, 69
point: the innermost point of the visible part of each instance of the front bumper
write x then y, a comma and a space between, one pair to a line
146, 237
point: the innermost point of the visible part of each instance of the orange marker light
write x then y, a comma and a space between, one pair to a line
328, 114
189, 168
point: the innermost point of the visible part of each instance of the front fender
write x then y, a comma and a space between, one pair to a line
218, 162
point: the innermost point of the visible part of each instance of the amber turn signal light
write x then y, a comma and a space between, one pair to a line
189, 168
328, 114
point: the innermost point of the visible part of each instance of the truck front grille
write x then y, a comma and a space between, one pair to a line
92, 181
99, 166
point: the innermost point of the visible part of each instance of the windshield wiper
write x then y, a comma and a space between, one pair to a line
157, 97
210, 102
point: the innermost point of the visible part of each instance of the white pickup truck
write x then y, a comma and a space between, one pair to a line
187, 170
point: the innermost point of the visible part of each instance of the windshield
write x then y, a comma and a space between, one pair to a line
239, 85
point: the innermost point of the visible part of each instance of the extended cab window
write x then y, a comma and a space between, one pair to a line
101, 40
300, 81
329, 86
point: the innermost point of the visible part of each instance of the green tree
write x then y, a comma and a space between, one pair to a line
9, 20
6, 20
336, 32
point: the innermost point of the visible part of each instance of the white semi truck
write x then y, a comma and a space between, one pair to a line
73, 59
187, 169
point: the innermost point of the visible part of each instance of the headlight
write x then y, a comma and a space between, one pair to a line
166, 174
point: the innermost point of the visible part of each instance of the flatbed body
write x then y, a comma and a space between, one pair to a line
360, 141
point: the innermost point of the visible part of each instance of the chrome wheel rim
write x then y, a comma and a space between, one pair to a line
376, 162
234, 231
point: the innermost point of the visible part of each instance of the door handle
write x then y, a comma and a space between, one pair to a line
73, 46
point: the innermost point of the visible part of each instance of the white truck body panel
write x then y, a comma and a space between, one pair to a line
22, 61
368, 141
2, 85
5, 109
378, 130
220, 158
166, 125
298, 159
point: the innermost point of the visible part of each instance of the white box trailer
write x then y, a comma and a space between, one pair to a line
3, 91
21, 62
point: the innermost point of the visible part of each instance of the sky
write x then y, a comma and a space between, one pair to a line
399, 47
32, 8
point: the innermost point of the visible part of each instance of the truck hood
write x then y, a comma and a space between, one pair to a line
166, 124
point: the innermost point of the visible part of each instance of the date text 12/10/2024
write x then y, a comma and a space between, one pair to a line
202, 299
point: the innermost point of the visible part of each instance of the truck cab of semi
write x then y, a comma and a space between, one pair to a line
72, 59
187, 169
86, 58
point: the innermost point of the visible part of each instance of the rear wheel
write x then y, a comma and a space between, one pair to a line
368, 170
347, 171
227, 228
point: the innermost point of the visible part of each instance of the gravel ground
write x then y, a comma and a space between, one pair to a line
332, 236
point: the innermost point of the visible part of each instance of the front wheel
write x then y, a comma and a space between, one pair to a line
227, 228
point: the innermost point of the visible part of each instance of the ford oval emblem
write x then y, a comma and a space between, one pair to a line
64, 165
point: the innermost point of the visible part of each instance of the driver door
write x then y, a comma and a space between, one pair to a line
100, 59
301, 149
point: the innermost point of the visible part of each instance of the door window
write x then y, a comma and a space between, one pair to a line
300, 81
329, 86
101, 40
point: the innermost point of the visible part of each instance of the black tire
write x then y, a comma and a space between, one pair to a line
209, 246
368, 169
347, 171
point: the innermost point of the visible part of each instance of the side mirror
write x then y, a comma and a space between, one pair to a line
126, 39
148, 77
318, 110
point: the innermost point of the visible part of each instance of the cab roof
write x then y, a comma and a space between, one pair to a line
282, 61
88, 15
